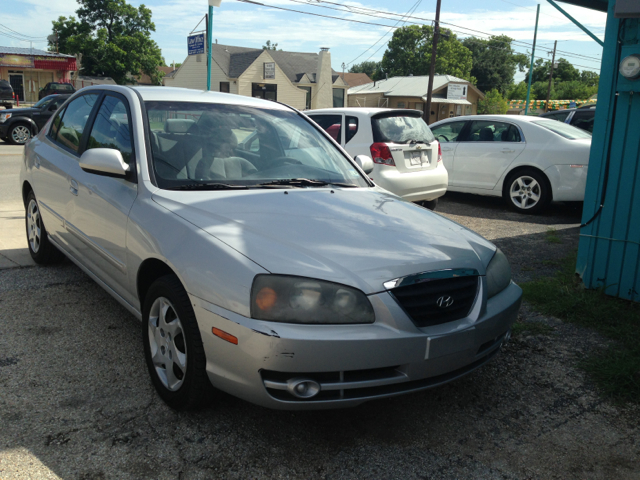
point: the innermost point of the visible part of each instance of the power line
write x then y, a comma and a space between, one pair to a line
30, 37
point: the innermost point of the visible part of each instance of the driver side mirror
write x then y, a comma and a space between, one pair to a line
104, 161
365, 163
53, 108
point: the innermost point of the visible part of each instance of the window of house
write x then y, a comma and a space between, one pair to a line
69, 130
338, 97
307, 101
268, 91
401, 105
224, 87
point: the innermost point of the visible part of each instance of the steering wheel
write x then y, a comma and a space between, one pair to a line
445, 138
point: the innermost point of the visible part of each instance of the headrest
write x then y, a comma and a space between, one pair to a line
178, 125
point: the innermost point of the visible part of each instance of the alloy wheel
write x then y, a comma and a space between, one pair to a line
20, 134
34, 226
525, 192
167, 342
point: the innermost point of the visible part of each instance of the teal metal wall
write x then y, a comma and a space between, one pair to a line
609, 250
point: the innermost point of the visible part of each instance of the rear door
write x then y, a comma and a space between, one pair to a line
332, 124
486, 150
410, 140
447, 134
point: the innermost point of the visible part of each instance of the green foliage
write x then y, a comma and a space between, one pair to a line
574, 90
409, 52
616, 369
493, 104
518, 92
494, 62
113, 39
372, 69
564, 72
270, 46
589, 78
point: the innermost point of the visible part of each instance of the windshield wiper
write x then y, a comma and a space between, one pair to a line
304, 182
413, 142
208, 186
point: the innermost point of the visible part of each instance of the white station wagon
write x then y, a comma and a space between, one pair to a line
259, 256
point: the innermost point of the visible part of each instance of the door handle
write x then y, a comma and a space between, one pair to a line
73, 186
445, 149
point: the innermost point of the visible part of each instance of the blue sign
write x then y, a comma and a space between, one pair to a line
196, 44
572, 104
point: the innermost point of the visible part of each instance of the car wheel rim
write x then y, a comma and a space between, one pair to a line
167, 342
34, 226
525, 192
20, 134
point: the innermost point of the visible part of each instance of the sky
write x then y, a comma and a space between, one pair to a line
251, 25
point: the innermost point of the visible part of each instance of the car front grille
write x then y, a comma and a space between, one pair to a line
435, 301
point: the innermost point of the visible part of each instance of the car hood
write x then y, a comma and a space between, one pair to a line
358, 237
22, 112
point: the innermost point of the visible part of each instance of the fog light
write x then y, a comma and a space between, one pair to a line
303, 387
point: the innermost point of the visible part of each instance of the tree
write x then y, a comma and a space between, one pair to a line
270, 46
589, 78
494, 62
409, 52
114, 39
574, 90
518, 92
564, 72
493, 104
372, 69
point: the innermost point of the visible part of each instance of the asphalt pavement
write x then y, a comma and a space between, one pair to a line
76, 401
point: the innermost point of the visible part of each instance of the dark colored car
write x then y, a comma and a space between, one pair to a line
53, 88
18, 125
7, 99
578, 117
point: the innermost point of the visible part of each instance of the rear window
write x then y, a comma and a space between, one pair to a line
400, 128
563, 129
61, 87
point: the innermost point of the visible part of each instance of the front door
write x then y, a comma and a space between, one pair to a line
17, 83
485, 152
447, 134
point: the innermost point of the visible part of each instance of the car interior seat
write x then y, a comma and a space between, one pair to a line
486, 135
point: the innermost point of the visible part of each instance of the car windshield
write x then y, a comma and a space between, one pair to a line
563, 129
399, 127
204, 145
45, 101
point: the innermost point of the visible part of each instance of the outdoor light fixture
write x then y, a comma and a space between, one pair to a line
215, 3
630, 67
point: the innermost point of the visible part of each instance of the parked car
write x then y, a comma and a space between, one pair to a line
528, 161
59, 88
582, 117
278, 273
7, 97
18, 125
406, 157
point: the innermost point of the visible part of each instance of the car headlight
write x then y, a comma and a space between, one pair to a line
498, 274
4, 117
282, 298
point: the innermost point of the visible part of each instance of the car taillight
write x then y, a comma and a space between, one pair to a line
381, 154
439, 152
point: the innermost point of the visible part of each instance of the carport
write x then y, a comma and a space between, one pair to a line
609, 249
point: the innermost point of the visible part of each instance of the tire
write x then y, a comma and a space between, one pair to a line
527, 191
41, 249
170, 335
430, 204
19, 134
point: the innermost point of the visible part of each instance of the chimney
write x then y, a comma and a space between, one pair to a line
324, 83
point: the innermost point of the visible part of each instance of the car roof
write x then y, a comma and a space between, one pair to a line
363, 111
509, 118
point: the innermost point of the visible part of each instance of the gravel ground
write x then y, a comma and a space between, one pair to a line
76, 403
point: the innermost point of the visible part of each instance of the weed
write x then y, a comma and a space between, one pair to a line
551, 236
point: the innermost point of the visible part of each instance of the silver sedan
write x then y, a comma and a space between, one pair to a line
259, 256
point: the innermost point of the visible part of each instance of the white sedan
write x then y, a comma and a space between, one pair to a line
529, 161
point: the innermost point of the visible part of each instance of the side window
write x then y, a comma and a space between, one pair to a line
491, 131
55, 125
351, 128
584, 120
111, 128
560, 116
332, 124
448, 132
74, 119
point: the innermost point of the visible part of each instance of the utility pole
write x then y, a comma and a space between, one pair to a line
432, 68
553, 62
533, 56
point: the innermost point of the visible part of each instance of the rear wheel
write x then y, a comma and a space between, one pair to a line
41, 249
527, 191
430, 204
19, 134
173, 346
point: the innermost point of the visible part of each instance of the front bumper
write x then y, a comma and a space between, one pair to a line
351, 363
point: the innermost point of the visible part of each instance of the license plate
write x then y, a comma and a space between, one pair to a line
416, 158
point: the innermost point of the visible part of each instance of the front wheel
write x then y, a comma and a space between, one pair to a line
173, 346
19, 134
527, 191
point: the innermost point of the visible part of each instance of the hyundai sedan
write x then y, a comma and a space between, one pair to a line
274, 270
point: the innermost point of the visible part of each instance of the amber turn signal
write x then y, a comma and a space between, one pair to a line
266, 298
224, 335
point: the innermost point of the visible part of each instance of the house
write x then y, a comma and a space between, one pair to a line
302, 80
355, 79
29, 69
451, 97
144, 79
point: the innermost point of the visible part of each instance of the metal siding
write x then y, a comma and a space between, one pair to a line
609, 251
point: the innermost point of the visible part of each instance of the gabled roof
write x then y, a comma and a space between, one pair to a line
414, 86
355, 79
31, 51
234, 61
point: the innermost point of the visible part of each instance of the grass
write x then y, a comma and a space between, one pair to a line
551, 236
616, 370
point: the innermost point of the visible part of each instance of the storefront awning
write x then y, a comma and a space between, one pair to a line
446, 100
